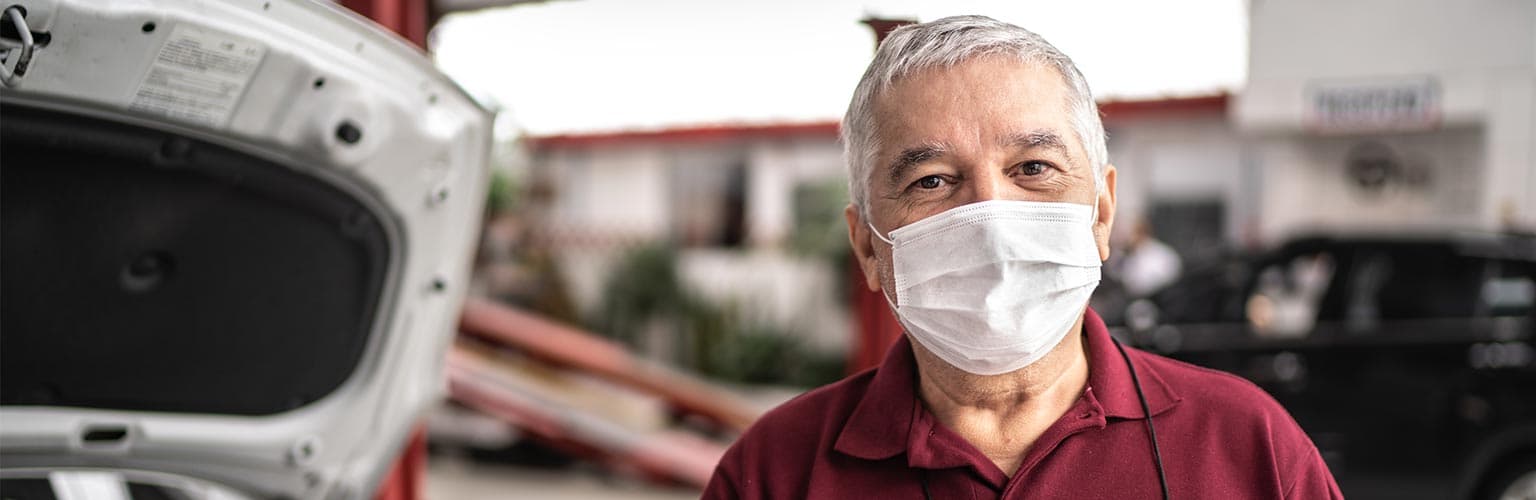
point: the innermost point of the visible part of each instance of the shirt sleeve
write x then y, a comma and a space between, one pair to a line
1311, 479
722, 485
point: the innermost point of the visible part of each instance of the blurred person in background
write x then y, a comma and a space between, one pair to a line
1285, 302
982, 207
1147, 265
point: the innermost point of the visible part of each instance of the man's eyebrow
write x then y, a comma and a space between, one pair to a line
1043, 138
912, 157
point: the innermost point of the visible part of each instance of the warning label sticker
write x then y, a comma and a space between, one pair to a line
199, 75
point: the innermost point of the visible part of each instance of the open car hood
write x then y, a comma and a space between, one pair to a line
236, 238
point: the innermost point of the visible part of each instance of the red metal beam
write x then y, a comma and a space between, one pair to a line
672, 456
586, 352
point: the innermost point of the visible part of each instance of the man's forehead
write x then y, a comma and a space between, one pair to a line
1011, 102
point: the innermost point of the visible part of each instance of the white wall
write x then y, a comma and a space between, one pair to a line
626, 192
777, 167
1311, 39
802, 296
1306, 188
1480, 53
617, 193
610, 198
1180, 158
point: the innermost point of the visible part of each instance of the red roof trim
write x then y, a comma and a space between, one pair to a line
1112, 111
711, 133
1206, 104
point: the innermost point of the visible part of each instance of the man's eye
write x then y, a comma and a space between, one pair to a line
1032, 168
930, 182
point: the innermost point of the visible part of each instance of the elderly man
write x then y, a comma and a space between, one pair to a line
982, 204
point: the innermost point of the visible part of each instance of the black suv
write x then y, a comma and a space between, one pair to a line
1408, 359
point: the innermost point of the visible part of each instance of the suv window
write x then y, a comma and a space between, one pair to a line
1509, 289
1414, 281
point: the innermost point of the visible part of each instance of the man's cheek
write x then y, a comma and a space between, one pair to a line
887, 273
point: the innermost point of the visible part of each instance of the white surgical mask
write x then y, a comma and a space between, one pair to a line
991, 287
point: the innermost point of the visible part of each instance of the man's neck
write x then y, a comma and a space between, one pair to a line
1003, 415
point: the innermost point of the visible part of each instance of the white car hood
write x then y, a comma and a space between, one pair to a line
236, 240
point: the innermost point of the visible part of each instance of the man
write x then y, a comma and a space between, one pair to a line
982, 204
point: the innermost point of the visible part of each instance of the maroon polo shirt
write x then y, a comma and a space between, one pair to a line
869, 436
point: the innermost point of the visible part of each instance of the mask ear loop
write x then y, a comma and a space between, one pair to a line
1095, 219
893, 254
878, 235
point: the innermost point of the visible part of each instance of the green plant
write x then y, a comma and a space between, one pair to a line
502, 195
821, 232
818, 216
752, 357
715, 339
642, 287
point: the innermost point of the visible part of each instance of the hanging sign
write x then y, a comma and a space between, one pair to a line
1411, 104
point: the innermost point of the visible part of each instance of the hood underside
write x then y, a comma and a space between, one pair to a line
149, 271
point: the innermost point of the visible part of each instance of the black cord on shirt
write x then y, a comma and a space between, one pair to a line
1157, 454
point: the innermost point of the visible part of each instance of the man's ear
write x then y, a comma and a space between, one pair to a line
863, 247
1106, 205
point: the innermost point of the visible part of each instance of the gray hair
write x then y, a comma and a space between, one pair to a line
944, 43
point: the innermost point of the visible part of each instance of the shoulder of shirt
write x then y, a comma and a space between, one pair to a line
810, 420
1227, 402
778, 451
1211, 389
1238, 411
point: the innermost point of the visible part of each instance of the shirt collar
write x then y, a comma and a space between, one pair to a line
881, 424
1110, 378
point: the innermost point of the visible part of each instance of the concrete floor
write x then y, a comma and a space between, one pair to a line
455, 478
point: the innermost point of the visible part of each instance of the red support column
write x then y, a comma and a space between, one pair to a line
407, 18
406, 477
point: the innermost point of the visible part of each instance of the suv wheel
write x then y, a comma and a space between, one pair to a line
1516, 481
